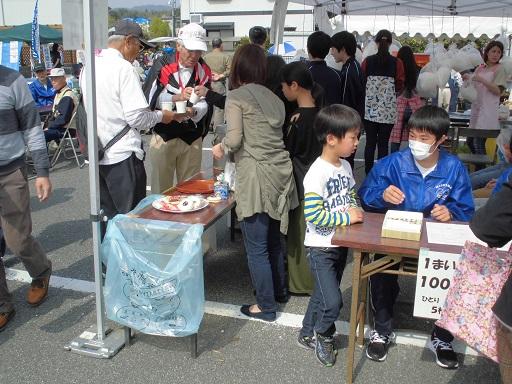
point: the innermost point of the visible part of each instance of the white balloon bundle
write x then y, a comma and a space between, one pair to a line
329, 60
370, 49
426, 86
506, 61
468, 91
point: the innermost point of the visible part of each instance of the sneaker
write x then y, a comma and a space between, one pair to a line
306, 342
378, 346
38, 291
445, 355
325, 351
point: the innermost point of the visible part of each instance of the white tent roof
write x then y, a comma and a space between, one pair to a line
425, 25
497, 8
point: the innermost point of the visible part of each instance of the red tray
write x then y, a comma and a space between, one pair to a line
196, 186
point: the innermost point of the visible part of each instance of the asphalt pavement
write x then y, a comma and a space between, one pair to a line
232, 349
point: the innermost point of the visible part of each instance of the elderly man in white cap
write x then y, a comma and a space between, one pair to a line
176, 148
64, 104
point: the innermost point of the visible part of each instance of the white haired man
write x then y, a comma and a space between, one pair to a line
176, 148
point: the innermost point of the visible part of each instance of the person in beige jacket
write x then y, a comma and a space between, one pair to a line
265, 188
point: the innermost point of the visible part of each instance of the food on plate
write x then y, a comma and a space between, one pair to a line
214, 199
190, 203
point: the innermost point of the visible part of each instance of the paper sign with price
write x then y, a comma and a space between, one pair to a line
435, 272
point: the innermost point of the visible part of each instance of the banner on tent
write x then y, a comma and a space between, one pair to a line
10, 54
46, 55
35, 46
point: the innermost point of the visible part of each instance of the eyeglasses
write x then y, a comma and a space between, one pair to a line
141, 46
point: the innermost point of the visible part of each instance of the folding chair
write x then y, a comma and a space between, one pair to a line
66, 143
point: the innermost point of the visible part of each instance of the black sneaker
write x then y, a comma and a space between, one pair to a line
378, 346
306, 342
445, 355
325, 351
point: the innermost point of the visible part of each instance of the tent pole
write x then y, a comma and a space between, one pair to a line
97, 343
92, 139
277, 24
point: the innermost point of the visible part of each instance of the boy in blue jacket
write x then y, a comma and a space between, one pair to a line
421, 178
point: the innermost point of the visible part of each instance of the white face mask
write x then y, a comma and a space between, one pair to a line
420, 150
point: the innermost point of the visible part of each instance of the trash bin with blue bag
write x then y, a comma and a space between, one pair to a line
154, 282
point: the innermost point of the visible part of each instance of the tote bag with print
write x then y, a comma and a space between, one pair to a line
477, 282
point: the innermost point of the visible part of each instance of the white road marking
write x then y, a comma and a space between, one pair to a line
285, 319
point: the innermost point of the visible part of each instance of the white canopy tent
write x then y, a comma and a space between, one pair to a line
407, 16
495, 8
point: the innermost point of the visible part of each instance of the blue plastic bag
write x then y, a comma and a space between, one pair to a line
154, 281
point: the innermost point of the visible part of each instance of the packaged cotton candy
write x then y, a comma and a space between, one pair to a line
443, 74
506, 61
474, 56
426, 85
468, 92
370, 49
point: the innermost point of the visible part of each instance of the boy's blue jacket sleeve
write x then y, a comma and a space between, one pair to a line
448, 184
504, 177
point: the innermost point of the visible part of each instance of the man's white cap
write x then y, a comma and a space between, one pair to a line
193, 37
57, 72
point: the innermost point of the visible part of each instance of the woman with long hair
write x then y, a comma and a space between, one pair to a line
384, 75
265, 189
304, 148
408, 101
489, 80
55, 56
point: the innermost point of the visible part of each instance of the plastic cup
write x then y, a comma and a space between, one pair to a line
181, 106
194, 98
166, 105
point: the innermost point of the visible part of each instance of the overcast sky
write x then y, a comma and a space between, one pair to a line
131, 3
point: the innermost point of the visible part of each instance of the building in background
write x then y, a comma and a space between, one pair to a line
232, 19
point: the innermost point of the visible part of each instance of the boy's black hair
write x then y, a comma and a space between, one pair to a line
258, 35
345, 40
297, 71
319, 44
336, 120
431, 119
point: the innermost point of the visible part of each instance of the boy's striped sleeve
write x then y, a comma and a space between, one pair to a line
315, 213
353, 198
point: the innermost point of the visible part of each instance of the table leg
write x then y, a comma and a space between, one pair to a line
364, 303
193, 345
233, 222
354, 306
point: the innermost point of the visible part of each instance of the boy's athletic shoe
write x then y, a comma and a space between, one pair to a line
378, 346
306, 342
445, 355
325, 351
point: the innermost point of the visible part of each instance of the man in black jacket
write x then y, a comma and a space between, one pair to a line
493, 224
343, 50
319, 43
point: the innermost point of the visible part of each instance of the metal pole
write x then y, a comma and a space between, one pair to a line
277, 23
173, 18
3, 12
92, 142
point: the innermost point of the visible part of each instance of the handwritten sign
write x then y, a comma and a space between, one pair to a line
435, 272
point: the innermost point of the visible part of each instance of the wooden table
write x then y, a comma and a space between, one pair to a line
365, 238
207, 216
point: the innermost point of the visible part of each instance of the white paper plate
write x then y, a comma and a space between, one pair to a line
163, 204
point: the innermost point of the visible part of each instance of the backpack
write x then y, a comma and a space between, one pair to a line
81, 129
